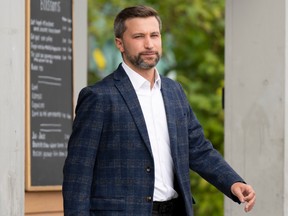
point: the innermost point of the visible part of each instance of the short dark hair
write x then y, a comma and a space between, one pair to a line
133, 12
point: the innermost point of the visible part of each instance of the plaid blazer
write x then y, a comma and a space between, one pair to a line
109, 169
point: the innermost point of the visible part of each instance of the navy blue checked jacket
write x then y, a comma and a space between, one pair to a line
109, 169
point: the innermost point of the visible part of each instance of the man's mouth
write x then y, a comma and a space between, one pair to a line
148, 53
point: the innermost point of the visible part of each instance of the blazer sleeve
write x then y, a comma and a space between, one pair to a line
207, 161
82, 151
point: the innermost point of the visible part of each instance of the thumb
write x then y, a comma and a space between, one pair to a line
237, 191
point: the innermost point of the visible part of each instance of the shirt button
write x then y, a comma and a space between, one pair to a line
149, 199
148, 169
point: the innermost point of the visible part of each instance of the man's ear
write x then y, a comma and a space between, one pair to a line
119, 44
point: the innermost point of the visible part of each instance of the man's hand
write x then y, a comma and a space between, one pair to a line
245, 194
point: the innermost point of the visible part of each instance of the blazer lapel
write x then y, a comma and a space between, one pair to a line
125, 87
168, 97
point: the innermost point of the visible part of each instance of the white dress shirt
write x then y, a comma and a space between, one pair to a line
153, 109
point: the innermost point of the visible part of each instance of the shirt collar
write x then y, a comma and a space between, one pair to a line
137, 80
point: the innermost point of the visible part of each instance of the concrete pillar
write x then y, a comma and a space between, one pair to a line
80, 46
12, 96
256, 101
12, 70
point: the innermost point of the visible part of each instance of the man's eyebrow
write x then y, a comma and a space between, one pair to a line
137, 34
142, 33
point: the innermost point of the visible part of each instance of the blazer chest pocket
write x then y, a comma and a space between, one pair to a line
107, 204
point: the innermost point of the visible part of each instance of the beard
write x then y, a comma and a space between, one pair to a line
142, 63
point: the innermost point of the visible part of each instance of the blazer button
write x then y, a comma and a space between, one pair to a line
148, 169
149, 199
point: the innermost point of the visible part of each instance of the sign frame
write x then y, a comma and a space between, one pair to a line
28, 161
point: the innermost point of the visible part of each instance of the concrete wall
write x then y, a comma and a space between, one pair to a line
12, 71
12, 96
80, 46
256, 101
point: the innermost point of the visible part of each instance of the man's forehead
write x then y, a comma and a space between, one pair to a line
142, 24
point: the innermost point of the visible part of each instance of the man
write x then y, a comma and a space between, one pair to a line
135, 137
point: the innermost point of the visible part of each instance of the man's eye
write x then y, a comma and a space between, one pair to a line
138, 36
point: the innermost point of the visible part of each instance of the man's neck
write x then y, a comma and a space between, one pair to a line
148, 74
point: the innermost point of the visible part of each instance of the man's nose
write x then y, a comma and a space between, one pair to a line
148, 43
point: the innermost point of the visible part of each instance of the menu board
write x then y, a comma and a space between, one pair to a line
49, 90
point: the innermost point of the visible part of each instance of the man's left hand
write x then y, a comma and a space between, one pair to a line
245, 194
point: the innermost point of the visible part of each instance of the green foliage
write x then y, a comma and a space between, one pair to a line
193, 52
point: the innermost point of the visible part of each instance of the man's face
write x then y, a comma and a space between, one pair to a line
141, 44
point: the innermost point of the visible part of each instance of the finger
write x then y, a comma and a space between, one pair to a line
250, 201
249, 206
249, 196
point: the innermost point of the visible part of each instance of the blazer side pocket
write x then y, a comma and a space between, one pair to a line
108, 204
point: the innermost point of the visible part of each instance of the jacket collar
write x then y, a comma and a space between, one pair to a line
125, 87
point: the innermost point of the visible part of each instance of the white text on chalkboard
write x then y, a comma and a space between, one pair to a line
51, 6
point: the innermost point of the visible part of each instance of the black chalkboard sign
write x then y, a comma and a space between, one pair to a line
49, 91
